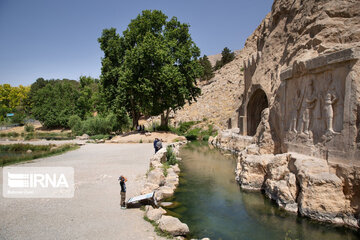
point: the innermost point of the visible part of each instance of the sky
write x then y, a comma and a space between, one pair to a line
57, 39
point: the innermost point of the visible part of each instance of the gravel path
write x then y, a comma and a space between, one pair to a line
94, 212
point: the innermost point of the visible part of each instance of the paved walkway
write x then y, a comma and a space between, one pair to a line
94, 212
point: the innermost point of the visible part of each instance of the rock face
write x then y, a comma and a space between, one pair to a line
280, 184
299, 183
294, 88
173, 226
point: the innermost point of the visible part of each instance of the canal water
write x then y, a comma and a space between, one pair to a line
210, 201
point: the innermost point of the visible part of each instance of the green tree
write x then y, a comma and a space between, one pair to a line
151, 69
88, 98
208, 71
54, 103
226, 57
13, 100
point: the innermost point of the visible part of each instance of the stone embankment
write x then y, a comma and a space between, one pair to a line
306, 185
163, 180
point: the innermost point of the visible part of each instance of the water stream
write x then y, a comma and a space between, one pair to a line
210, 201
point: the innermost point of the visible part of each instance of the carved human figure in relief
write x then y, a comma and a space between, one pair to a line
329, 100
296, 103
308, 104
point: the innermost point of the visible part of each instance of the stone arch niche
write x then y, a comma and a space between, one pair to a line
257, 103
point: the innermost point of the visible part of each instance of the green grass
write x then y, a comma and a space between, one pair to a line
14, 153
100, 136
158, 231
49, 136
38, 135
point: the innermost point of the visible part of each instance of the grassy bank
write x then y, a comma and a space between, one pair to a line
37, 135
14, 153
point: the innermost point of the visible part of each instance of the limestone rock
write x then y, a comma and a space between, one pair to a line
155, 214
253, 171
176, 168
149, 188
160, 156
280, 184
156, 176
163, 193
173, 226
83, 137
321, 196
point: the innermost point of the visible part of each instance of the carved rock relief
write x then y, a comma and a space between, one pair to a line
315, 106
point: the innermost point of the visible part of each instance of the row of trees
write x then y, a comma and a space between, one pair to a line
151, 69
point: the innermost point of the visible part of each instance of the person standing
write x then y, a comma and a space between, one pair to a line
122, 180
155, 144
159, 144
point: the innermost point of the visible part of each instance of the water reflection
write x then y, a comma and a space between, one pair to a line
211, 203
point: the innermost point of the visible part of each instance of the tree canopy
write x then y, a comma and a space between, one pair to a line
208, 71
152, 68
13, 100
226, 57
52, 102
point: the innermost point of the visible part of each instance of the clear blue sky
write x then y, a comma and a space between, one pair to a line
58, 38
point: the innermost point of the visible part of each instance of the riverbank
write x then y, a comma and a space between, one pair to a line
162, 179
211, 202
308, 186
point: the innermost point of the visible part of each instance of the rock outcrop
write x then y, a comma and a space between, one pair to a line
299, 183
294, 89
173, 226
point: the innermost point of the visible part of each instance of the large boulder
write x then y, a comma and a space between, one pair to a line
253, 171
283, 192
156, 176
321, 192
160, 156
280, 184
155, 214
163, 193
149, 188
173, 226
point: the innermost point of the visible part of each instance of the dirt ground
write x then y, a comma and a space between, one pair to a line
135, 137
94, 212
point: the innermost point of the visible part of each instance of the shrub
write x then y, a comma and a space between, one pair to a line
75, 124
193, 134
170, 156
29, 128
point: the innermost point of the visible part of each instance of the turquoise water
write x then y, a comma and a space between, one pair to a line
210, 201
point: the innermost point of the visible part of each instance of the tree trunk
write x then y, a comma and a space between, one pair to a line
165, 118
135, 119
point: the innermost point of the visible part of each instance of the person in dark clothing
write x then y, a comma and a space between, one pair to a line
155, 144
122, 180
159, 144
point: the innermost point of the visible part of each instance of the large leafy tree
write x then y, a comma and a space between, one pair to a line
55, 102
152, 68
13, 100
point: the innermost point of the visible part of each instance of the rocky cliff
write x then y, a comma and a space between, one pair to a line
294, 91
292, 31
